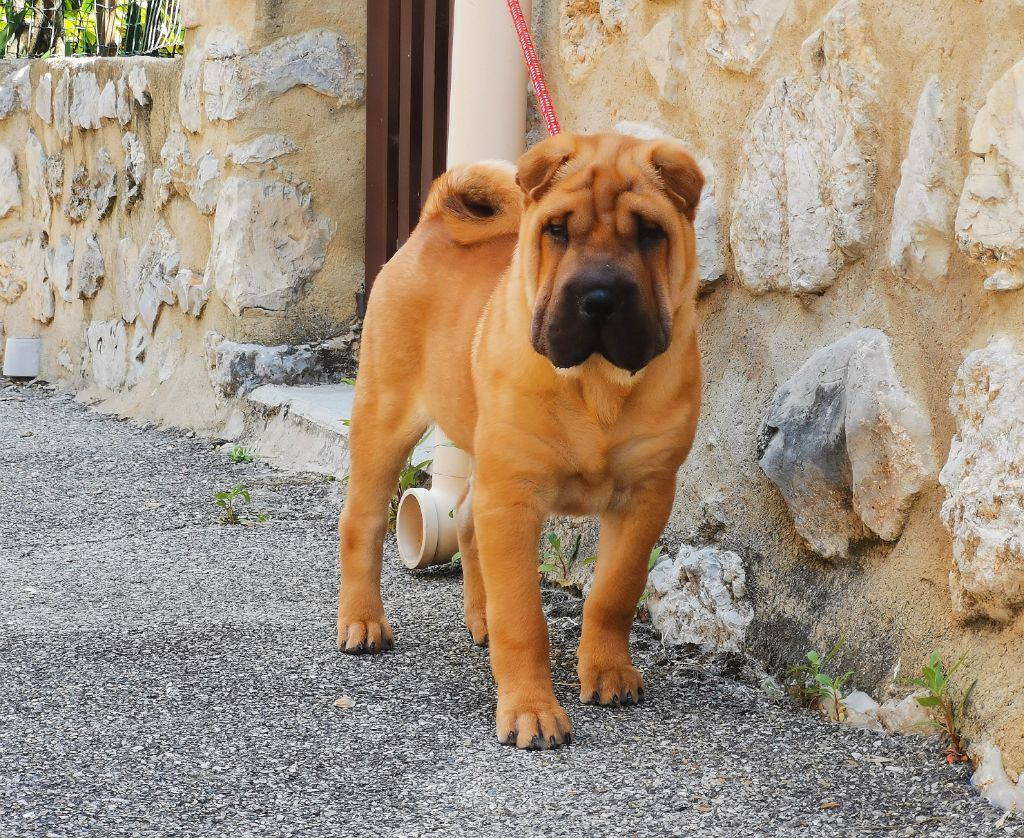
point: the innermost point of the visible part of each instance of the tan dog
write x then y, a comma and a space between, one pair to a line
545, 321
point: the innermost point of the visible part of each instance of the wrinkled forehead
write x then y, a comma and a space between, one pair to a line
607, 175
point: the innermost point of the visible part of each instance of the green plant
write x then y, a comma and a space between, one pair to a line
810, 685
555, 560
240, 454
935, 680
413, 475
350, 381
653, 559
226, 499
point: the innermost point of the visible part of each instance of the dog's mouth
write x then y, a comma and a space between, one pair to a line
600, 314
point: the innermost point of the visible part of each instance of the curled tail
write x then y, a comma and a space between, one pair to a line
476, 202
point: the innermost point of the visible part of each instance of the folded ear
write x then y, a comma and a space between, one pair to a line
538, 166
680, 174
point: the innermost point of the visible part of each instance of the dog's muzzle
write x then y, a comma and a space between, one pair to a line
601, 309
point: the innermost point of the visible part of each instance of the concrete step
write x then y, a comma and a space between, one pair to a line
301, 428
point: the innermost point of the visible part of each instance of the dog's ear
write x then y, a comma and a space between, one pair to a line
680, 174
538, 166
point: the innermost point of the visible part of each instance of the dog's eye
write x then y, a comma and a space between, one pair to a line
649, 234
558, 231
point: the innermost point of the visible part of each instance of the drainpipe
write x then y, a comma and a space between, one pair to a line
486, 121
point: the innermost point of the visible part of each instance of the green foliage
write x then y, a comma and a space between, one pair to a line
33, 28
557, 561
350, 381
240, 454
413, 475
935, 680
811, 685
652, 560
226, 499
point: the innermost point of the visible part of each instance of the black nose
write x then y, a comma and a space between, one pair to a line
600, 291
597, 304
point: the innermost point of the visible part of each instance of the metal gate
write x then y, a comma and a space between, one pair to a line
408, 59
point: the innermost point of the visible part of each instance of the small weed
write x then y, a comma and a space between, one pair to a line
414, 475
935, 679
349, 381
810, 685
555, 560
457, 559
226, 499
240, 454
655, 557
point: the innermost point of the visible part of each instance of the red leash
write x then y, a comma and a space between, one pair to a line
540, 88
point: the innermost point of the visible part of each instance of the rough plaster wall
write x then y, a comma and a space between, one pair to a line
111, 167
891, 601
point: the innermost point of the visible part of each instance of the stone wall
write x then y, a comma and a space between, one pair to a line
861, 446
157, 213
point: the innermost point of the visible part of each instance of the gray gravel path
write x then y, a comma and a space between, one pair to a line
165, 674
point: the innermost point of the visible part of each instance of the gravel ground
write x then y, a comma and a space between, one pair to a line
162, 673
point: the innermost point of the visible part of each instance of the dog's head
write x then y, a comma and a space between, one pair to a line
606, 245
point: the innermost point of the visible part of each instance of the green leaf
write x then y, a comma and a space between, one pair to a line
350, 381
812, 656
588, 560
653, 559
547, 567
245, 495
929, 701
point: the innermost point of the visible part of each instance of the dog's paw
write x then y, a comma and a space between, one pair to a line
476, 622
613, 686
534, 725
357, 637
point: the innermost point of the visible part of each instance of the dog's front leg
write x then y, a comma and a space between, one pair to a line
508, 522
605, 668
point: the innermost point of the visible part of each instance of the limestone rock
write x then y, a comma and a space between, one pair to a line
922, 215
205, 188
124, 105
79, 196
138, 84
16, 87
137, 357
44, 98
175, 173
990, 218
37, 275
584, 28
238, 368
995, 785
707, 225
663, 54
104, 184
267, 242
234, 80
151, 282
12, 279
190, 108
262, 149
700, 597
906, 716
742, 30
802, 206
85, 100
134, 169
106, 353
58, 268
174, 351
90, 268
62, 107
54, 176
10, 184
193, 13
1004, 281
106, 105
192, 291
36, 161
984, 506
861, 711
846, 445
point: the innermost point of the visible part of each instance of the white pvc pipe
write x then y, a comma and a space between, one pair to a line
486, 121
426, 517
487, 106
21, 357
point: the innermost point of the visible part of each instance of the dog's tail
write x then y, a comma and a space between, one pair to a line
476, 202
